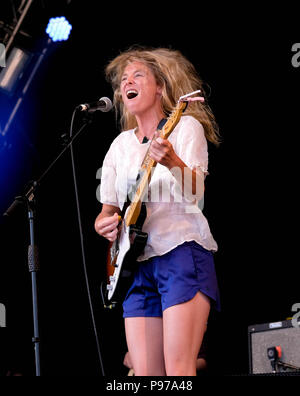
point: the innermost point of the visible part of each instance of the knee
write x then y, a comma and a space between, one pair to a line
149, 371
149, 367
180, 367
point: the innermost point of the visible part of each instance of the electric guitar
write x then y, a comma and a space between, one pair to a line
131, 240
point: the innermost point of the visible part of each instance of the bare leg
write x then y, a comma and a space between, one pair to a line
184, 326
145, 344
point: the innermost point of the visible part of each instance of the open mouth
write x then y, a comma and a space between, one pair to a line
132, 93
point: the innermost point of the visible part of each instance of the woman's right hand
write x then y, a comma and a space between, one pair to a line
108, 227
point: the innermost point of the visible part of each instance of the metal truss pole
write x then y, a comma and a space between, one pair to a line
18, 25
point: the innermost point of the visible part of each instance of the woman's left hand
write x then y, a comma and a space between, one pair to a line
161, 150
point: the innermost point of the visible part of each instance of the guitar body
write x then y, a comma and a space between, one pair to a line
123, 253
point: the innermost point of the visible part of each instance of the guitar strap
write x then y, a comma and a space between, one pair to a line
161, 123
159, 127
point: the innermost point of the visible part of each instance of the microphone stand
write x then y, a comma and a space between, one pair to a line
28, 198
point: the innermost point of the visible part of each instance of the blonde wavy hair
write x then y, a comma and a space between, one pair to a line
175, 74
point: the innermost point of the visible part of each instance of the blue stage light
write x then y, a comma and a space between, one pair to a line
58, 29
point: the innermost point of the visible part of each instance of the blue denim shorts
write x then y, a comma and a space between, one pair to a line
171, 279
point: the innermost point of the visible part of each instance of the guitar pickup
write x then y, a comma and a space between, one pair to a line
112, 278
109, 287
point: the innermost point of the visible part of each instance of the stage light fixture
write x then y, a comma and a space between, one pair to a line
58, 29
15, 65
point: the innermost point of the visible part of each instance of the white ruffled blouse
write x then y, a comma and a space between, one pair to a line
171, 218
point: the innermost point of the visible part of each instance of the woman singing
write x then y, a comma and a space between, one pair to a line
167, 306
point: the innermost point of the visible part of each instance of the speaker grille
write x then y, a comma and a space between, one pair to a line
288, 338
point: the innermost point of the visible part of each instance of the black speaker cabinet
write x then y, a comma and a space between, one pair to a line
274, 347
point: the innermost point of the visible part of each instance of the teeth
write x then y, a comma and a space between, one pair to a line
132, 93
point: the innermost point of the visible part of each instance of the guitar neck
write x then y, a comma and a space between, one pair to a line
148, 164
134, 208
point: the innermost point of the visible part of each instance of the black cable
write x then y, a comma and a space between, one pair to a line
287, 365
83, 247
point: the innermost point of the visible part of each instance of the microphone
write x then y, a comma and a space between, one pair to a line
103, 104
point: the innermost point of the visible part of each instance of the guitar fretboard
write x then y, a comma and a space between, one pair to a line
148, 164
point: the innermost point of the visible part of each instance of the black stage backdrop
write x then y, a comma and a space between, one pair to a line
250, 199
